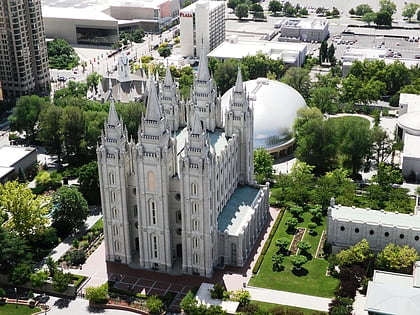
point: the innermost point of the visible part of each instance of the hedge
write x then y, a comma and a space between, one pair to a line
267, 243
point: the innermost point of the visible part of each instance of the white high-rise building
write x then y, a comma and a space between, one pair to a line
202, 21
182, 198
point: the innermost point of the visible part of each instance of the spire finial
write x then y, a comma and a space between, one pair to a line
153, 111
203, 68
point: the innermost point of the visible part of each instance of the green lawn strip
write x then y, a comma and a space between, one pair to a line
270, 306
313, 283
8, 309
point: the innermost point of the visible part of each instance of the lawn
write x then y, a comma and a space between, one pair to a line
8, 309
268, 307
311, 280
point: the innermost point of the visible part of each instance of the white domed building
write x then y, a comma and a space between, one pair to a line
275, 107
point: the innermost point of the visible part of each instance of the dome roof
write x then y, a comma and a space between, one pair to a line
275, 107
410, 122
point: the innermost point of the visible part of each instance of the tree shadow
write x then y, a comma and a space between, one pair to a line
277, 268
307, 255
300, 219
301, 272
313, 233
96, 310
62, 303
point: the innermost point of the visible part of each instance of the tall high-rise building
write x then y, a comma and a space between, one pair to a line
202, 21
23, 50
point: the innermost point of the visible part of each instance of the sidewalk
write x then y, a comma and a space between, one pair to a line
65, 245
288, 298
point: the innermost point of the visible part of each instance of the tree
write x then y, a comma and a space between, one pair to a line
39, 278
305, 115
291, 224
232, 4
189, 303
387, 6
418, 15
73, 88
301, 183
383, 18
50, 133
362, 9
28, 211
61, 281
331, 54
275, 6
243, 297
298, 261
61, 55
325, 98
277, 260
241, 11
98, 295
386, 176
296, 211
369, 17
93, 81
409, 10
397, 258
323, 51
20, 274
283, 244
298, 78
70, 209
73, 124
254, 67
382, 145
225, 74
138, 36
304, 246
263, 165
356, 254
88, 178
25, 115
130, 113
164, 50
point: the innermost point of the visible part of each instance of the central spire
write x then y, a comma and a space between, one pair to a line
203, 67
153, 111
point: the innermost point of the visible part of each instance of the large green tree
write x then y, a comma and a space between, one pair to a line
73, 124
387, 6
13, 250
26, 114
131, 115
409, 10
61, 55
27, 211
359, 253
362, 9
298, 78
89, 182
263, 165
383, 18
397, 258
70, 209
275, 6
92, 81
241, 11
50, 133
225, 74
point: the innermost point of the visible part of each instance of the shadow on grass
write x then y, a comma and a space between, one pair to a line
300, 273
313, 233
277, 268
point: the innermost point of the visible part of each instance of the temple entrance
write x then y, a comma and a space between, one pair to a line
179, 250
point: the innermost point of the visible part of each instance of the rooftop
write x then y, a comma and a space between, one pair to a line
236, 212
381, 217
217, 138
10, 155
192, 6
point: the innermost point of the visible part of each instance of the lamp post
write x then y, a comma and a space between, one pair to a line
16, 297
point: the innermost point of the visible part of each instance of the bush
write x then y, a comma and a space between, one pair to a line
98, 295
77, 257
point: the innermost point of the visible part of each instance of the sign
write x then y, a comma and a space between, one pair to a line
184, 14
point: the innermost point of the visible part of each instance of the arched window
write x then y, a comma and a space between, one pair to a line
178, 217
112, 178
116, 230
114, 213
113, 196
195, 225
194, 207
194, 189
195, 242
155, 247
196, 259
117, 246
233, 252
135, 210
152, 208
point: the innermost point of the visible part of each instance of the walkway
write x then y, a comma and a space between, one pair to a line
289, 298
65, 245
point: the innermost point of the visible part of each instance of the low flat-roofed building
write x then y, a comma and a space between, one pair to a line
349, 225
291, 53
304, 30
14, 158
409, 131
394, 293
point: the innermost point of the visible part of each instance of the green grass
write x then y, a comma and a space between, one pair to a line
314, 282
99, 225
8, 309
270, 306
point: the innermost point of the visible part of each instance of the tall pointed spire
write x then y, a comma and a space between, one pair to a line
203, 67
113, 119
153, 110
239, 85
168, 77
197, 126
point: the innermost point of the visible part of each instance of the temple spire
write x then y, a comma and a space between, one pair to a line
203, 67
168, 77
197, 125
239, 85
153, 110
113, 119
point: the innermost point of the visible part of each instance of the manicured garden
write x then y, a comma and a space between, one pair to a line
8, 309
311, 279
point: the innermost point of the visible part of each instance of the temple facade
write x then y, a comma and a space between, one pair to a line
182, 198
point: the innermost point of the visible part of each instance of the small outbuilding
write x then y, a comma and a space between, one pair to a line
14, 158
